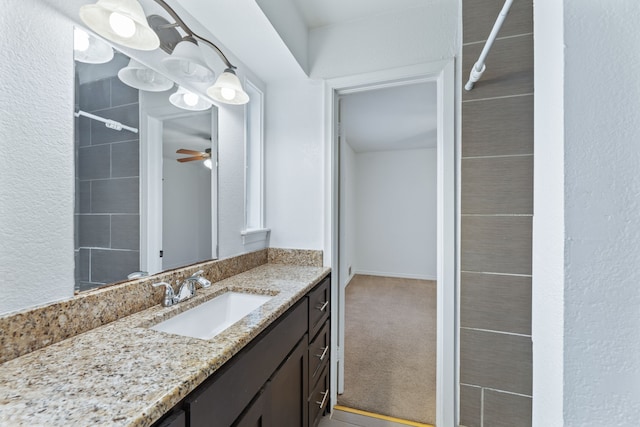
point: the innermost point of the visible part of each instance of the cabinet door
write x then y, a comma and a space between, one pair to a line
287, 391
254, 415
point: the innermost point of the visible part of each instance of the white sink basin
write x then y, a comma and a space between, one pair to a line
208, 319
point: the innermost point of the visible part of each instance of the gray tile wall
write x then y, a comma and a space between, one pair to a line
107, 185
497, 208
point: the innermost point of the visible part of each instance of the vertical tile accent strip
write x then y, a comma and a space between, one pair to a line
497, 209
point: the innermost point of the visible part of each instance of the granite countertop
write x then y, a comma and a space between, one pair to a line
125, 374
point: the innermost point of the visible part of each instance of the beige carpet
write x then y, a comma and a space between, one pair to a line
390, 347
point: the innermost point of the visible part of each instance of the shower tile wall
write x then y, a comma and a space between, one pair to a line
107, 185
497, 209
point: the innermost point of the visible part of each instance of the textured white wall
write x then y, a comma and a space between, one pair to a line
548, 218
294, 144
401, 38
396, 213
602, 205
37, 194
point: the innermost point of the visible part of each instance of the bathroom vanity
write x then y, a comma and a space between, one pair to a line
271, 368
281, 378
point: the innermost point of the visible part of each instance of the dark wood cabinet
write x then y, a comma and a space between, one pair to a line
275, 380
287, 389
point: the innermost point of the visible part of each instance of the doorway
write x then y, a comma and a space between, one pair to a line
387, 144
446, 363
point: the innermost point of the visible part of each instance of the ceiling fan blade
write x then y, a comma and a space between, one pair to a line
190, 159
192, 152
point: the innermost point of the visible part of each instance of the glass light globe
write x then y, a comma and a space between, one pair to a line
228, 93
208, 163
122, 25
191, 99
80, 40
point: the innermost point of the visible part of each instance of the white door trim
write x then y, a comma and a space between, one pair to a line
443, 73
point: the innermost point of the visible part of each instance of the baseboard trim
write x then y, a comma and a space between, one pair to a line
396, 275
380, 417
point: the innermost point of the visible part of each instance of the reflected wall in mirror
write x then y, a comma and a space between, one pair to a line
107, 212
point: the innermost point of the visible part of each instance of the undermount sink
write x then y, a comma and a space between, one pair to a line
208, 319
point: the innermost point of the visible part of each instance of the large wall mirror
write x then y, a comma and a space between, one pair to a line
145, 173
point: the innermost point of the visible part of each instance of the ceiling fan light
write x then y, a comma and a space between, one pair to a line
140, 77
187, 100
186, 62
122, 22
228, 89
208, 163
89, 49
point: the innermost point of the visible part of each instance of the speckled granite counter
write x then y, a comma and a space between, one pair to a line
124, 374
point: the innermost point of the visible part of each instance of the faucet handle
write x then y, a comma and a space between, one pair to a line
169, 295
196, 277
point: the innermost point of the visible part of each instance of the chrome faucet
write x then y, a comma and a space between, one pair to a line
187, 289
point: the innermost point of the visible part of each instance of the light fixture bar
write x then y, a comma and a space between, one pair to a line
191, 33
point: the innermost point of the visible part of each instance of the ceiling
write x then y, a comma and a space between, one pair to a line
192, 132
392, 118
330, 12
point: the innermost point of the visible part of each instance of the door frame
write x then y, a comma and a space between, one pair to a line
151, 130
443, 74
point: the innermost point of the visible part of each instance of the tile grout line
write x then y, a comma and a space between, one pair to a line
499, 97
496, 332
481, 406
495, 273
497, 156
495, 215
514, 36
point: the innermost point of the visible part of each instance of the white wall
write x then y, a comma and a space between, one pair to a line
599, 276
36, 164
396, 213
294, 144
602, 205
397, 39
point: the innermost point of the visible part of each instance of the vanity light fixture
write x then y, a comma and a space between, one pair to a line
89, 49
228, 89
123, 22
187, 62
140, 77
187, 100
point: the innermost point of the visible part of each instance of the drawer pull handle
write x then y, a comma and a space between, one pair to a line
324, 353
323, 306
324, 399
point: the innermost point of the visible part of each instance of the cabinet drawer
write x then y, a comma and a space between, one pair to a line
319, 306
319, 399
319, 352
222, 398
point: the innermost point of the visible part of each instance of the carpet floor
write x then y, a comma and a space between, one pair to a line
390, 347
